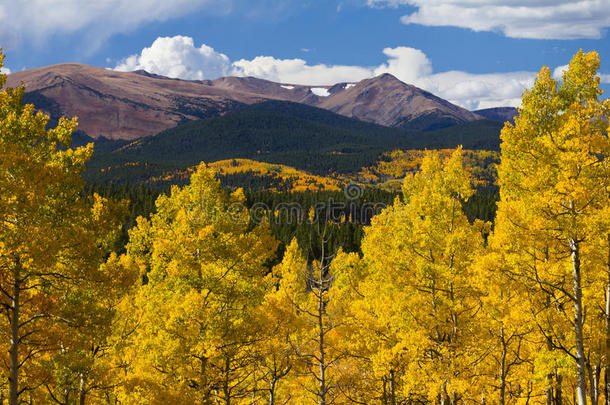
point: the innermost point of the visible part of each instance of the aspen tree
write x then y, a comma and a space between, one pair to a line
204, 276
553, 180
50, 238
419, 254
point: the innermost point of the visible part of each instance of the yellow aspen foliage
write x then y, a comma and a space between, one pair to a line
417, 296
279, 363
194, 315
307, 299
506, 334
52, 241
554, 177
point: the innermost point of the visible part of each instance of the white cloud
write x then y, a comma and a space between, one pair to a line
5, 70
540, 19
297, 71
38, 20
472, 91
408, 64
558, 71
386, 3
476, 91
178, 57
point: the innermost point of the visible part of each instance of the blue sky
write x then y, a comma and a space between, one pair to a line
476, 53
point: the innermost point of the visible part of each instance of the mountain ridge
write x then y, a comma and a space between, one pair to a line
131, 105
308, 138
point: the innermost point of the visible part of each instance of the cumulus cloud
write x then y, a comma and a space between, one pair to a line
297, 71
472, 91
5, 70
476, 91
408, 64
540, 19
558, 71
177, 57
38, 20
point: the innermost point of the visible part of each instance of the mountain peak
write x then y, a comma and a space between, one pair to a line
386, 77
129, 105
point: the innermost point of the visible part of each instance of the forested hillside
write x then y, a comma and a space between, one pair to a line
292, 134
220, 294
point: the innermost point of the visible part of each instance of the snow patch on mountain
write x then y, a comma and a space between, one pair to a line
320, 91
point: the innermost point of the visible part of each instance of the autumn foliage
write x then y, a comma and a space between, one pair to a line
202, 307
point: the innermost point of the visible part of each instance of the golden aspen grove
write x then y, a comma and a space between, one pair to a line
204, 306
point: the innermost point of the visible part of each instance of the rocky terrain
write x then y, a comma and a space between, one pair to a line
118, 105
499, 113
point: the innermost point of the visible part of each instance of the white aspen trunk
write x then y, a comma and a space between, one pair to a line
82, 395
549, 389
594, 380
581, 371
392, 388
272, 392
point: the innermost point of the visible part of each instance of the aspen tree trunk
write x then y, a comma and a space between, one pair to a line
82, 395
272, 393
503, 369
594, 374
581, 371
322, 398
444, 396
558, 394
13, 395
392, 387
549, 379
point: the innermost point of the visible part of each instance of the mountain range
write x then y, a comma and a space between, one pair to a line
132, 105
307, 138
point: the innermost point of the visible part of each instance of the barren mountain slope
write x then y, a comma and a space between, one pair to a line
387, 101
120, 105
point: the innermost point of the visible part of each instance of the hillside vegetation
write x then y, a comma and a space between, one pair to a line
296, 135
